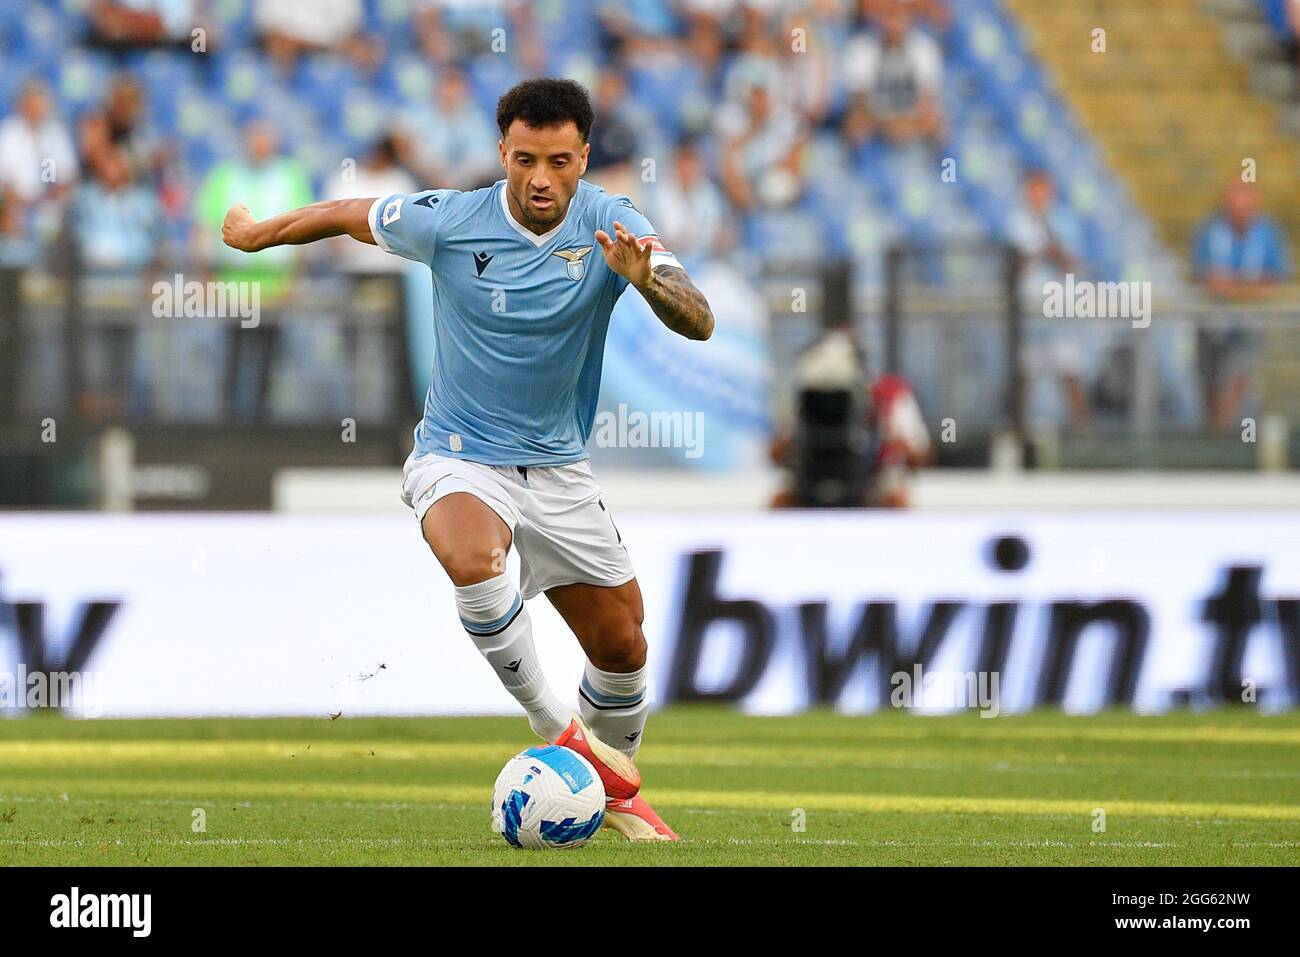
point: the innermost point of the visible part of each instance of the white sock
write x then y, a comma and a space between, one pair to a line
494, 615
615, 706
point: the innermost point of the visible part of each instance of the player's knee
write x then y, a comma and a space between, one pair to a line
622, 648
469, 567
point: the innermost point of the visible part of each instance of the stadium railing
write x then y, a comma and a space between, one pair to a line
972, 331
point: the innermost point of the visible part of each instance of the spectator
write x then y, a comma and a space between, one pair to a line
704, 44
379, 175
624, 21
448, 30
37, 166
796, 67
267, 183
689, 210
1238, 256
936, 12
117, 225
289, 28
1049, 239
437, 43
37, 159
1284, 17
901, 73
117, 220
117, 134
452, 143
615, 146
810, 66
701, 53
933, 12
762, 155
1045, 231
755, 62
855, 130
124, 24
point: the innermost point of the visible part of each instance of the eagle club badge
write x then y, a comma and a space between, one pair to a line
575, 260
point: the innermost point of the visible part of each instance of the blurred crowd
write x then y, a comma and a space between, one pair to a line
1284, 17
737, 109
752, 86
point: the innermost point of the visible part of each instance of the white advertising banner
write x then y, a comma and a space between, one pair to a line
315, 615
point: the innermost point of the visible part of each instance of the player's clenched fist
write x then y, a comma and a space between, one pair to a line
237, 229
625, 254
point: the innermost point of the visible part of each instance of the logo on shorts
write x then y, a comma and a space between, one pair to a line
575, 261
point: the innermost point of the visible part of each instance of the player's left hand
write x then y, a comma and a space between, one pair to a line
626, 255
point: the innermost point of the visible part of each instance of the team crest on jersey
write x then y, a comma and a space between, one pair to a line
575, 261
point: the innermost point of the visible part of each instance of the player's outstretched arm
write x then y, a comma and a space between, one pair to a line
335, 217
674, 298
678, 303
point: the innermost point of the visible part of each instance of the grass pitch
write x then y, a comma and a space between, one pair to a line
1221, 788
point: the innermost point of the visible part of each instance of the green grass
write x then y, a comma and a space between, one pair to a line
1221, 788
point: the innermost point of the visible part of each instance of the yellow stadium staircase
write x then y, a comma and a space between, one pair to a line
1174, 114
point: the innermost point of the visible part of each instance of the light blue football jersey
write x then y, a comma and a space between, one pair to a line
519, 319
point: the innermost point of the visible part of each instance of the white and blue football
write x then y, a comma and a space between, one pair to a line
548, 797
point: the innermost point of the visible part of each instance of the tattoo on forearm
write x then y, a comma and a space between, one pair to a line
678, 304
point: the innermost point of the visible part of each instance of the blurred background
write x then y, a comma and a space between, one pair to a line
873, 193
877, 196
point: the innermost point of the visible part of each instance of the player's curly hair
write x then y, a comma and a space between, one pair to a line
546, 101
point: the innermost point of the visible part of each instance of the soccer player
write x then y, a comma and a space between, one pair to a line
525, 275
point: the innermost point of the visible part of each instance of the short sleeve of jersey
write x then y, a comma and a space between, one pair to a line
1277, 258
406, 224
1203, 250
620, 208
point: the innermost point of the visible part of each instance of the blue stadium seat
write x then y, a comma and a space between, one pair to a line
324, 82
233, 23
409, 78
1003, 112
241, 79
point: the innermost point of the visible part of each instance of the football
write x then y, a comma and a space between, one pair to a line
548, 797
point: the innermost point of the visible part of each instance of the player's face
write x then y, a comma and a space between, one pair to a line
542, 171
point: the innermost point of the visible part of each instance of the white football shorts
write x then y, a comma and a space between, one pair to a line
558, 522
